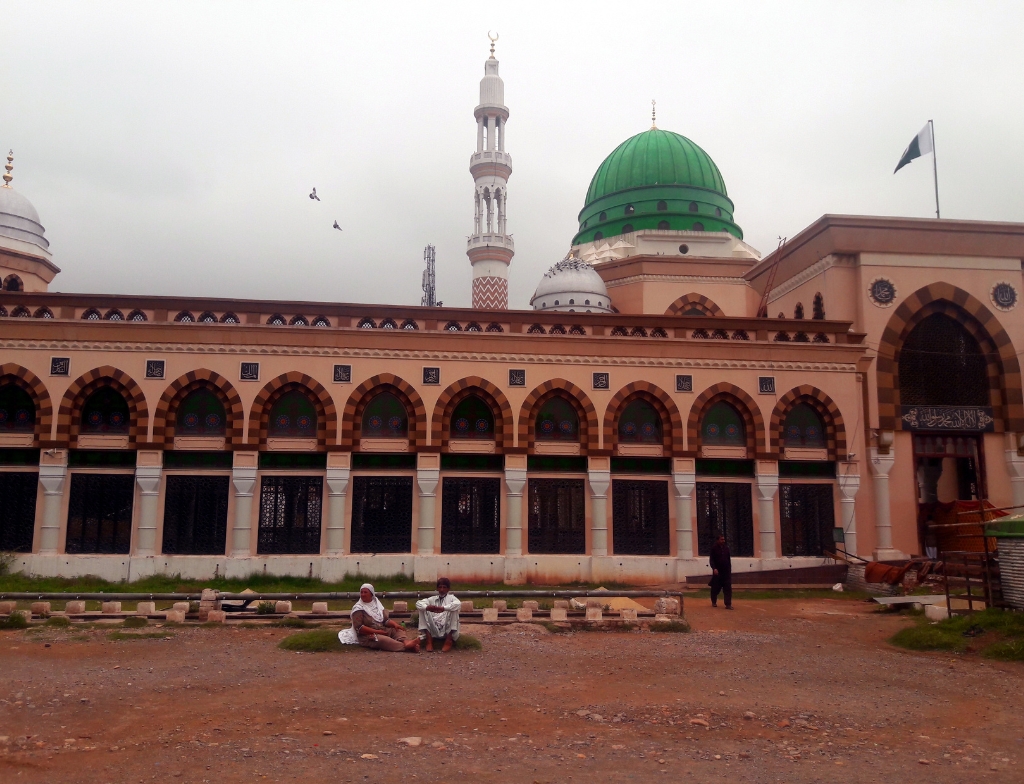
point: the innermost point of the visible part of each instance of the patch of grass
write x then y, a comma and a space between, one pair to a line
122, 636
1007, 650
13, 621
291, 623
671, 627
314, 641
266, 608
556, 628
58, 620
757, 594
135, 623
1001, 635
924, 637
6, 562
468, 642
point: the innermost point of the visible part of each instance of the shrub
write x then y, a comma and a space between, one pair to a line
6, 562
1007, 650
929, 638
58, 620
135, 623
266, 608
15, 620
294, 623
314, 641
675, 627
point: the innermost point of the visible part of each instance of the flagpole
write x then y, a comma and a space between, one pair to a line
935, 169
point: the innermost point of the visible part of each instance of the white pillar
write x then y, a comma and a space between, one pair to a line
480, 135
849, 484
767, 487
52, 478
684, 483
148, 479
337, 489
427, 479
881, 465
244, 479
599, 481
1015, 468
515, 481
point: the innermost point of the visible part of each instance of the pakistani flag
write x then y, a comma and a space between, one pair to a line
919, 145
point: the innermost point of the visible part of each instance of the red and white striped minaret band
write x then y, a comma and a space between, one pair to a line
490, 293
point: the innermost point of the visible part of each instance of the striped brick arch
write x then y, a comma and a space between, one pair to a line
165, 416
504, 427
743, 403
352, 416
694, 302
671, 421
327, 414
69, 415
585, 410
1004, 377
835, 428
25, 379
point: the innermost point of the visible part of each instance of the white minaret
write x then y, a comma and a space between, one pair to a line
490, 247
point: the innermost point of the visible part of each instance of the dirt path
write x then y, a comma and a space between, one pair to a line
830, 702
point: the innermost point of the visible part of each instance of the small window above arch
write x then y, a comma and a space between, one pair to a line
603, 217
43, 313
114, 315
576, 329
535, 329
409, 324
473, 327
207, 317
185, 317
557, 329
366, 323
92, 315
277, 320
662, 206
321, 321
21, 312
698, 226
137, 315
598, 235
630, 209
663, 225
627, 229
493, 327
693, 206
388, 324
453, 326
13, 283
298, 321
230, 318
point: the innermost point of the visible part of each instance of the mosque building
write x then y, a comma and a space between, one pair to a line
666, 384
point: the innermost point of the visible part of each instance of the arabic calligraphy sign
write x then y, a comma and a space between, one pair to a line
971, 418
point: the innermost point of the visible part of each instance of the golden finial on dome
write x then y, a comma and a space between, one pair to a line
493, 39
10, 167
654, 126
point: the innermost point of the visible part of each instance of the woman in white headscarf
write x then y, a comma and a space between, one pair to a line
372, 628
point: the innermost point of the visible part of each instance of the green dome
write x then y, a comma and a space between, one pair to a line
656, 180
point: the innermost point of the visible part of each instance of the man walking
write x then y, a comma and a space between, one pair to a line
721, 572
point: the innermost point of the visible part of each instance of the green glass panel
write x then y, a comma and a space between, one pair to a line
200, 414
804, 428
293, 416
17, 411
723, 426
640, 423
557, 421
472, 418
105, 412
385, 417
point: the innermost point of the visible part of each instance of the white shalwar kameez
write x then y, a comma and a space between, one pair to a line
438, 625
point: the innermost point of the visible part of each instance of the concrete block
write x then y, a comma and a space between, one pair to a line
175, 616
562, 604
466, 606
666, 605
208, 595
181, 607
531, 605
110, 607
40, 608
8, 607
320, 608
216, 616
400, 607
559, 614
936, 612
26, 614
74, 607
594, 614
283, 607
524, 614
500, 605
662, 618
145, 608
627, 614
490, 614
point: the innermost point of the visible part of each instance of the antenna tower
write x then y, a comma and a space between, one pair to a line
429, 291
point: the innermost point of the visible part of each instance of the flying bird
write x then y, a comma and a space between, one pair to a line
313, 195
337, 226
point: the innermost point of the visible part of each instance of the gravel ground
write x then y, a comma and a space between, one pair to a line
786, 690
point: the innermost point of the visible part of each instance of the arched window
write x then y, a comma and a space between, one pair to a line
277, 320
136, 315
698, 227
718, 212
663, 225
662, 206
630, 209
21, 312
941, 364
91, 315
292, 416
321, 321
535, 329
105, 411
200, 414
388, 324
557, 421
473, 327
366, 323
818, 306
804, 428
13, 283
299, 321
185, 317
385, 417
17, 411
693, 206
114, 315
640, 423
43, 313
598, 235
207, 318
494, 328
409, 324
453, 326
230, 318
557, 329
798, 311
472, 418
628, 228
603, 216
723, 426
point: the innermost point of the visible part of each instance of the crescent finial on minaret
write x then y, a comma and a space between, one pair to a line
10, 166
654, 124
493, 39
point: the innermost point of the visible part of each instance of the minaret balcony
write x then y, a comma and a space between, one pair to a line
490, 241
490, 156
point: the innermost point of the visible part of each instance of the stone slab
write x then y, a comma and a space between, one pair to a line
666, 605
400, 607
559, 614
936, 612
561, 604
40, 608
524, 614
319, 608
283, 607
466, 606
146, 608
627, 614
74, 607
216, 616
490, 614
7, 608
110, 607
531, 605
175, 616
595, 614
181, 607
500, 605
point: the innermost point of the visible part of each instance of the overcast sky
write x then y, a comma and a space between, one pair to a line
170, 147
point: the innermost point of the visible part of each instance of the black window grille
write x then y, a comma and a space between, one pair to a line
382, 514
807, 514
639, 517
195, 515
290, 510
17, 510
723, 509
470, 515
941, 364
100, 513
557, 516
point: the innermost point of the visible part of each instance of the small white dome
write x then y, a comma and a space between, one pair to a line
19, 219
572, 285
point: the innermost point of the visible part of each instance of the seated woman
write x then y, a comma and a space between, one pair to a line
372, 628
439, 616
